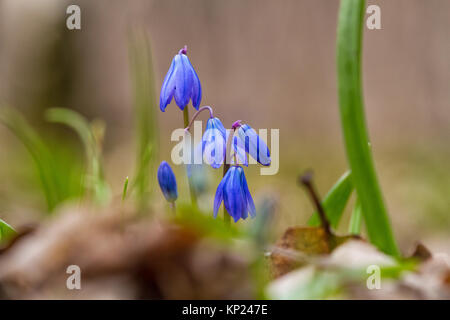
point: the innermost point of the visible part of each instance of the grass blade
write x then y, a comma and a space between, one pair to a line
356, 219
125, 188
335, 201
144, 101
6, 231
38, 151
349, 43
92, 148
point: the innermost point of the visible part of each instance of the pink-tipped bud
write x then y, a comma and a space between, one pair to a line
183, 50
236, 124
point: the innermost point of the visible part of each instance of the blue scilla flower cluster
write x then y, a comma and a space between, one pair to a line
230, 148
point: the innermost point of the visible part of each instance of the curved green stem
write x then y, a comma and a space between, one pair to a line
349, 41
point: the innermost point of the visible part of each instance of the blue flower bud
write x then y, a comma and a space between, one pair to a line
181, 82
167, 182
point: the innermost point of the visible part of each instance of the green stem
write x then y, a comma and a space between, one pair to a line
190, 182
173, 207
349, 41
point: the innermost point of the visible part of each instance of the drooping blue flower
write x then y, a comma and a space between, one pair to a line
233, 191
167, 182
214, 143
254, 145
182, 82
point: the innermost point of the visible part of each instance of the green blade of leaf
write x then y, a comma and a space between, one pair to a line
6, 231
125, 188
335, 201
145, 105
356, 219
38, 151
356, 138
84, 130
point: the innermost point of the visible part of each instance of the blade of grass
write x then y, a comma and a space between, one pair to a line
356, 219
125, 187
39, 152
349, 43
6, 231
144, 102
84, 130
335, 201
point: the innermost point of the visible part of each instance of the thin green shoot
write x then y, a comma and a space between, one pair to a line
90, 136
41, 155
356, 138
335, 201
144, 106
125, 188
356, 219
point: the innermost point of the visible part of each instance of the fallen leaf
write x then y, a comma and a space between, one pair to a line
298, 243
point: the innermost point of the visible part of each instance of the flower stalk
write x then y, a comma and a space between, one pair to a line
349, 43
211, 115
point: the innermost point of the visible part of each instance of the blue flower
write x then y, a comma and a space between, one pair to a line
254, 145
182, 82
214, 143
167, 182
234, 193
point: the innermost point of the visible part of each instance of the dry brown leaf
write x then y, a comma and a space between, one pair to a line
121, 260
299, 243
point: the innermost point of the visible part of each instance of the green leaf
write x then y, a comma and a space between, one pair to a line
6, 231
335, 201
356, 219
356, 138
91, 145
145, 106
39, 152
125, 188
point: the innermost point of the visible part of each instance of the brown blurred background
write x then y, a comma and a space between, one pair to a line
269, 63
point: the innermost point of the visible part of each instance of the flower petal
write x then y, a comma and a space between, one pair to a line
196, 87
233, 195
220, 194
183, 81
213, 143
238, 147
168, 87
248, 196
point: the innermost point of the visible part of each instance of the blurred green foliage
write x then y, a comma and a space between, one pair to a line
59, 175
145, 107
94, 179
